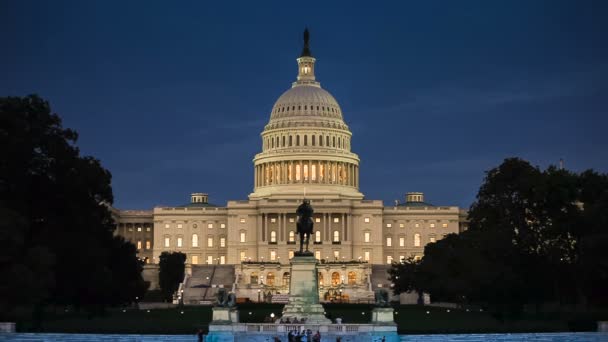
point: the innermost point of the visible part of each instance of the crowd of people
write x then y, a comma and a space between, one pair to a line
302, 336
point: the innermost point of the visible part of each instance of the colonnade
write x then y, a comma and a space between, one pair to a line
307, 172
331, 231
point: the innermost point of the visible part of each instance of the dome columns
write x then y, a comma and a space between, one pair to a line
323, 172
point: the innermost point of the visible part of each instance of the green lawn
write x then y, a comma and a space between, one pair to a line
411, 319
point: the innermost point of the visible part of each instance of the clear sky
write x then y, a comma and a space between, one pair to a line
171, 96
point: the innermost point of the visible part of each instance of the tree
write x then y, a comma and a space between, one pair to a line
171, 272
55, 223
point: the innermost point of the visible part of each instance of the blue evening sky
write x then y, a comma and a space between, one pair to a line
171, 96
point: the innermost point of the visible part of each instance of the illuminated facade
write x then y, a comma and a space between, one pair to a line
305, 152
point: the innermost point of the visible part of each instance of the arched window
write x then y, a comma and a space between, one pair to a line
313, 140
271, 143
306, 140
292, 236
194, 240
286, 279
290, 140
416, 240
277, 144
253, 279
339, 144
334, 142
336, 236
270, 279
273, 236
352, 278
327, 141
318, 236
297, 140
283, 145
320, 140
335, 278
320, 278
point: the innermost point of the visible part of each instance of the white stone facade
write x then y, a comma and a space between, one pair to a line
305, 152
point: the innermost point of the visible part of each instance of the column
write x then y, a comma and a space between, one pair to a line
343, 235
264, 222
325, 172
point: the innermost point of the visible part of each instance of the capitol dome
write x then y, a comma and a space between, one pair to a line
306, 143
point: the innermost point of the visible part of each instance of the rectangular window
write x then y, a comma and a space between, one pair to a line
401, 258
222, 242
242, 255
273, 220
179, 242
273, 255
317, 255
336, 220
292, 220
401, 225
432, 225
209, 242
210, 225
366, 256
222, 259
366, 237
167, 225
130, 229
209, 259
318, 220
432, 239
167, 242
389, 242
401, 242
179, 225
242, 220
148, 244
389, 259
444, 225
417, 258
147, 229
243, 237
195, 260
336, 255
417, 225
139, 244
139, 229
222, 225
389, 225
366, 220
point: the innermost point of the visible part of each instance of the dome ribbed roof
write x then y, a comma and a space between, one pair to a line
306, 101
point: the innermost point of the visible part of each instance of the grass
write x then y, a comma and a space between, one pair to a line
411, 319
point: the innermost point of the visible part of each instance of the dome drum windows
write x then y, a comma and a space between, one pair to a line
307, 171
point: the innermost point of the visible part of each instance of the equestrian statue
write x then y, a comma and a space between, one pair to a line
305, 225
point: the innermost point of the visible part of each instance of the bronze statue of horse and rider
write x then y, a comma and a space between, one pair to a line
304, 226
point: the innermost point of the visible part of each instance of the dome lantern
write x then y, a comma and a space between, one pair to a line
306, 65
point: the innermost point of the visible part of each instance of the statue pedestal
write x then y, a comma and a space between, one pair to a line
304, 292
383, 316
224, 315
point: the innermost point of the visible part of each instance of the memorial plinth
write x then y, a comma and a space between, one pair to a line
304, 292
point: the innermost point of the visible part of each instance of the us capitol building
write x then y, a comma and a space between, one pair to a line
246, 245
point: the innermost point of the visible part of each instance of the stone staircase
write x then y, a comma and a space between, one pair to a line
202, 286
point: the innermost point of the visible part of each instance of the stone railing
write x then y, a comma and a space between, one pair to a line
282, 328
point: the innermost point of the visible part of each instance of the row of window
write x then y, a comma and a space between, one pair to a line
292, 220
139, 229
210, 260
140, 244
269, 279
284, 109
303, 140
416, 225
209, 225
210, 241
